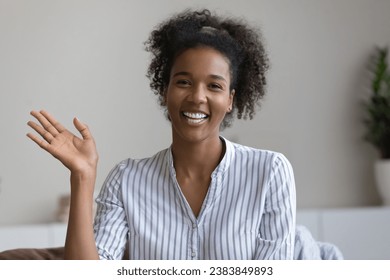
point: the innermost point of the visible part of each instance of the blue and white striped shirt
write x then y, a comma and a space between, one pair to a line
248, 212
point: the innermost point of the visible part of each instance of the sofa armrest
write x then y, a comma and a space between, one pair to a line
33, 254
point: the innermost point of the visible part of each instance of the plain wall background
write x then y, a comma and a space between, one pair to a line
86, 58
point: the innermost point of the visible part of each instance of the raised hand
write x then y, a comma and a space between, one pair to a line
79, 155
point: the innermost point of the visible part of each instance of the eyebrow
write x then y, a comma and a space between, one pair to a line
184, 73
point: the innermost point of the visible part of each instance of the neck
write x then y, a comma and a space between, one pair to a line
197, 159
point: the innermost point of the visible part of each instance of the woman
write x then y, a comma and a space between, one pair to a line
204, 197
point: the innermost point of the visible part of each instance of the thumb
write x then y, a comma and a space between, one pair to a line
82, 128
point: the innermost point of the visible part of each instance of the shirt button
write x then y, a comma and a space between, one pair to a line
194, 226
193, 254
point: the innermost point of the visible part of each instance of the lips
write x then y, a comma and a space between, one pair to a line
195, 118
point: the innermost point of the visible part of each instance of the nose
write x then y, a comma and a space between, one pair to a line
198, 95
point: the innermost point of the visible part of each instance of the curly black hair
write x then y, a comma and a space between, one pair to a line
241, 44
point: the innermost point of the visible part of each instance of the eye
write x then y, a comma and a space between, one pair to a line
215, 86
183, 83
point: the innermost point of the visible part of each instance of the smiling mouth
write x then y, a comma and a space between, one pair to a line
195, 118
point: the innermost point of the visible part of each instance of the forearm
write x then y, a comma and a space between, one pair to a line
80, 240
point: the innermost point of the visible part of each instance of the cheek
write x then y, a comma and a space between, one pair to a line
172, 104
221, 108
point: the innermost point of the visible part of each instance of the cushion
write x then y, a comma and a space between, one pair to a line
33, 254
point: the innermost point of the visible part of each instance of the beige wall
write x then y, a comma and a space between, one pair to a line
85, 58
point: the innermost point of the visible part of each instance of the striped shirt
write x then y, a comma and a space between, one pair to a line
248, 212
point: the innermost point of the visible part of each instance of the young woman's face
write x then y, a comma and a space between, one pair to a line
198, 95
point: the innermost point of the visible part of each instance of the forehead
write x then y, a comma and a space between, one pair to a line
204, 60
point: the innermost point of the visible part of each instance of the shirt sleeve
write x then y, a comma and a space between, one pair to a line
110, 226
277, 228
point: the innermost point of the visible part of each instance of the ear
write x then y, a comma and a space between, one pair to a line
231, 98
164, 98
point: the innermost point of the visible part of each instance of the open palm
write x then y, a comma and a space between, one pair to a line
77, 154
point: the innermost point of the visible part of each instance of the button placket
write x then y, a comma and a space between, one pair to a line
194, 241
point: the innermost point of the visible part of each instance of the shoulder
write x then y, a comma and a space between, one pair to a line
141, 162
266, 156
134, 165
264, 162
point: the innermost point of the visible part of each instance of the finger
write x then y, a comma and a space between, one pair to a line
82, 128
41, 131
56, 124
41, 143
45, 122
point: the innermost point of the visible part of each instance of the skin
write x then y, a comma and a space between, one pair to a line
79, 155
199, 83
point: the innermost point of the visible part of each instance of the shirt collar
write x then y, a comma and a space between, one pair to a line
221, 167
227, 158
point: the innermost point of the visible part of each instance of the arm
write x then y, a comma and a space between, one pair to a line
79, 155
277, 229
111, 227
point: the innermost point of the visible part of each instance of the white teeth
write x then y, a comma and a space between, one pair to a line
194, 121
197, 116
